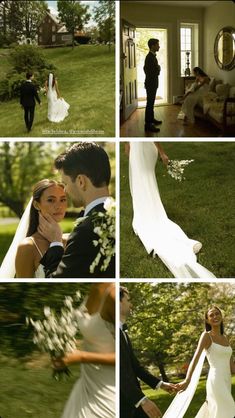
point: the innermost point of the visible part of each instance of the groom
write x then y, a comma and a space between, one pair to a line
133, 402
28, 94
85, 171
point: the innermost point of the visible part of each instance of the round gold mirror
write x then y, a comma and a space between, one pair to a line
224, 48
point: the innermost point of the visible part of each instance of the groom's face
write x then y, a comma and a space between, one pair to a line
125, 305
73, 190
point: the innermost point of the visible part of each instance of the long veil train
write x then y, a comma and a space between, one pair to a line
182, 400
150, 222
7, 269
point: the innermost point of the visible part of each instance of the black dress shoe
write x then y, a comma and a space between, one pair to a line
157, 122
151, 128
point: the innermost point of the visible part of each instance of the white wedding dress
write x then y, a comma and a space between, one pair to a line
93, 395
57, 108
192, 100
150, 222
219, 401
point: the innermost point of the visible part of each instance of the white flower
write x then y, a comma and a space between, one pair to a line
175, 168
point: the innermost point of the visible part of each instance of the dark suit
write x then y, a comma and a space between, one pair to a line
152, 71
80, 252
130, 371
28, 94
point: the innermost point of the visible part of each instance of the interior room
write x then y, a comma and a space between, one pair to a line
191, 34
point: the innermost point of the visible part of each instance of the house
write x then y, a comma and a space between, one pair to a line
188, 32
52, 32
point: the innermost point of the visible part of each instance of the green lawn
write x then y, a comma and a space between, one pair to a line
163, 399
7, 233
32, 392
86, 79
203, 205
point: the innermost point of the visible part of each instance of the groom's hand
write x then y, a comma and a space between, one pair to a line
169, 387
150, 408
49, 228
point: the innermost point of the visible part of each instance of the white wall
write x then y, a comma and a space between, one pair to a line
217, 16
211, 19
157, 16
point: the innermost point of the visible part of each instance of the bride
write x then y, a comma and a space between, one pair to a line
57, 106
28, 246
93, 395
215, 345
150, 222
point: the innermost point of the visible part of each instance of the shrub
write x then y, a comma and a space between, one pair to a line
25, 57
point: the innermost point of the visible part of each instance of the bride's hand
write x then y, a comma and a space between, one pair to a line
164, 158
182, 385
58, 363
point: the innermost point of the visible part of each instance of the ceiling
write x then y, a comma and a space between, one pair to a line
190, 3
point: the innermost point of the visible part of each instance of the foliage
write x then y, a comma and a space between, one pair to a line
202, 205
20, 19
91, 95
175, 314
73, 14
20, 163
24, 58
23, 301
104, 14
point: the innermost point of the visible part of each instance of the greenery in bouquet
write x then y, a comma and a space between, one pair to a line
104, 228
175, 168
56, 333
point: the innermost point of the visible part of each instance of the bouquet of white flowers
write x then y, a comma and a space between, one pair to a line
55, 334
175, 168
104, 227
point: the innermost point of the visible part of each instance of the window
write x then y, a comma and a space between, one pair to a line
188, 47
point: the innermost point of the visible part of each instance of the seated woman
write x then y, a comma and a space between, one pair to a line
194, 95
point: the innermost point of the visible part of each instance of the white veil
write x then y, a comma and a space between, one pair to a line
50, 81
7, 269
182, 400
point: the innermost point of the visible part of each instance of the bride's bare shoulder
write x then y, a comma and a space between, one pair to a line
26, 246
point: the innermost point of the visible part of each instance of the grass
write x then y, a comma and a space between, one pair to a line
31, 392
163, 399
86, 79
203, 205
7, 233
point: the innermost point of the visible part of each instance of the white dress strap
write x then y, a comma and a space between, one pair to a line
32, 238
104, 297
210, 337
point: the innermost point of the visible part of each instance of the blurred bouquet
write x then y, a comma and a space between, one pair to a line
104, 228
56, 333
175, 168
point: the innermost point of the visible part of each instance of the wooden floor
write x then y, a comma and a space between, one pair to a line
170, 127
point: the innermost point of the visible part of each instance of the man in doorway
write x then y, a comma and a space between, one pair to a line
152, 71
133, 402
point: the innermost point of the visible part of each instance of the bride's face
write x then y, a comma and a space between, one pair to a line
53, 201
214, 317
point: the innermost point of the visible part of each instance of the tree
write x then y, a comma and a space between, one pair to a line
73, 14
104, 15
22, 164
20, 18
168, 319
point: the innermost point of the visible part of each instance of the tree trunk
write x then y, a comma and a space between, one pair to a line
159, 360
16, 206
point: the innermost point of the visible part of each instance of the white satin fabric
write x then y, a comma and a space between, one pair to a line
7, 269
57, 108
219, 401
150, 222
192, 100
181, 402
93, 395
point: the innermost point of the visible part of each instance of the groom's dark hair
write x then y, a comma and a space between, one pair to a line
86, 158
123, 291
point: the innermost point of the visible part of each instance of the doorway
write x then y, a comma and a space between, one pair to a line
142, 37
